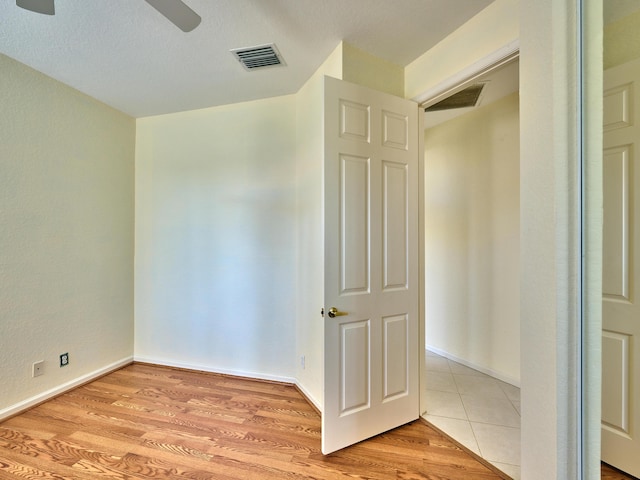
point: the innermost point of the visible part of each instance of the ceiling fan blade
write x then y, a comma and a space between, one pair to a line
45, 7
178, 13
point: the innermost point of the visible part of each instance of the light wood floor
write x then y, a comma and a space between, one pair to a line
152, 422
146, 422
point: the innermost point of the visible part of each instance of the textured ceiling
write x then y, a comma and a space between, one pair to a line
124, 53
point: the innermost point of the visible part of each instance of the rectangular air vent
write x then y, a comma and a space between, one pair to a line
463, 99
260, 56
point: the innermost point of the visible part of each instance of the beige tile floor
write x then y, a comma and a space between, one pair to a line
479, 411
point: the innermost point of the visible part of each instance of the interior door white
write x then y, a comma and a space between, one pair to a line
371, 264
621, 270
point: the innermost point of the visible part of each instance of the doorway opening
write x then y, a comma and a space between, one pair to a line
471, 257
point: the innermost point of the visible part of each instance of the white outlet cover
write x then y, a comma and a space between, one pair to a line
38, 368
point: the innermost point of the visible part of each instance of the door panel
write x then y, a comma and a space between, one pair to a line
354, 224
395, 130
617, 106
615, 403
396, 356
395, 194
355, 374
616, 187
371, 264
355, 120
621, 270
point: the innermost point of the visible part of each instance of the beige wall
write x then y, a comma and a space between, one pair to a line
365, 69
472, 229
548, 243
66, 235
622, 40
205, 180
310, 227
215, 239
490, 30
353, 65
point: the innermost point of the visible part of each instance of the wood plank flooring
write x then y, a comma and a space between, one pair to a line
610, 473
147, 421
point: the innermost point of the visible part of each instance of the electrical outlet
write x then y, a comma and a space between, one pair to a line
64, 360
38, 368
302, 362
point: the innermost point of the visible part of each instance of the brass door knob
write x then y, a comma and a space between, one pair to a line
333, 312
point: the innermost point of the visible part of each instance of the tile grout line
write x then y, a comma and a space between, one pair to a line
465, 411
507, 395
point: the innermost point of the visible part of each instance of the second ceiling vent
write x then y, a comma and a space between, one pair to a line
260, 56
464, 98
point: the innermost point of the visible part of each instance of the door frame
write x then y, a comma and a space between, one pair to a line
590, 135
442, 90
576, 407
469, 74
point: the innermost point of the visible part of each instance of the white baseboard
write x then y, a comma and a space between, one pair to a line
210, 369
235, 373
309, 397
492, 373
54, 392
65, 387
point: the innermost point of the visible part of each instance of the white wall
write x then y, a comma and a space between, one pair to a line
353, 65
548, 244
365, 69
490, 30
66, 235
472, 230
310, 228
215, 239
621, 40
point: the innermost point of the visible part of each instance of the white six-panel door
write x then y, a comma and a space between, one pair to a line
621, 270
371, 264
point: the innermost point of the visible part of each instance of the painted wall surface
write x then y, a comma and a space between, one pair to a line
310, 228
550, 241
622, 40
365, 69
216, 240
472, 237
488, 31
66, 234
81, 255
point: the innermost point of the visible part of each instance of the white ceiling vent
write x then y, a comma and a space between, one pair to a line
260, 56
